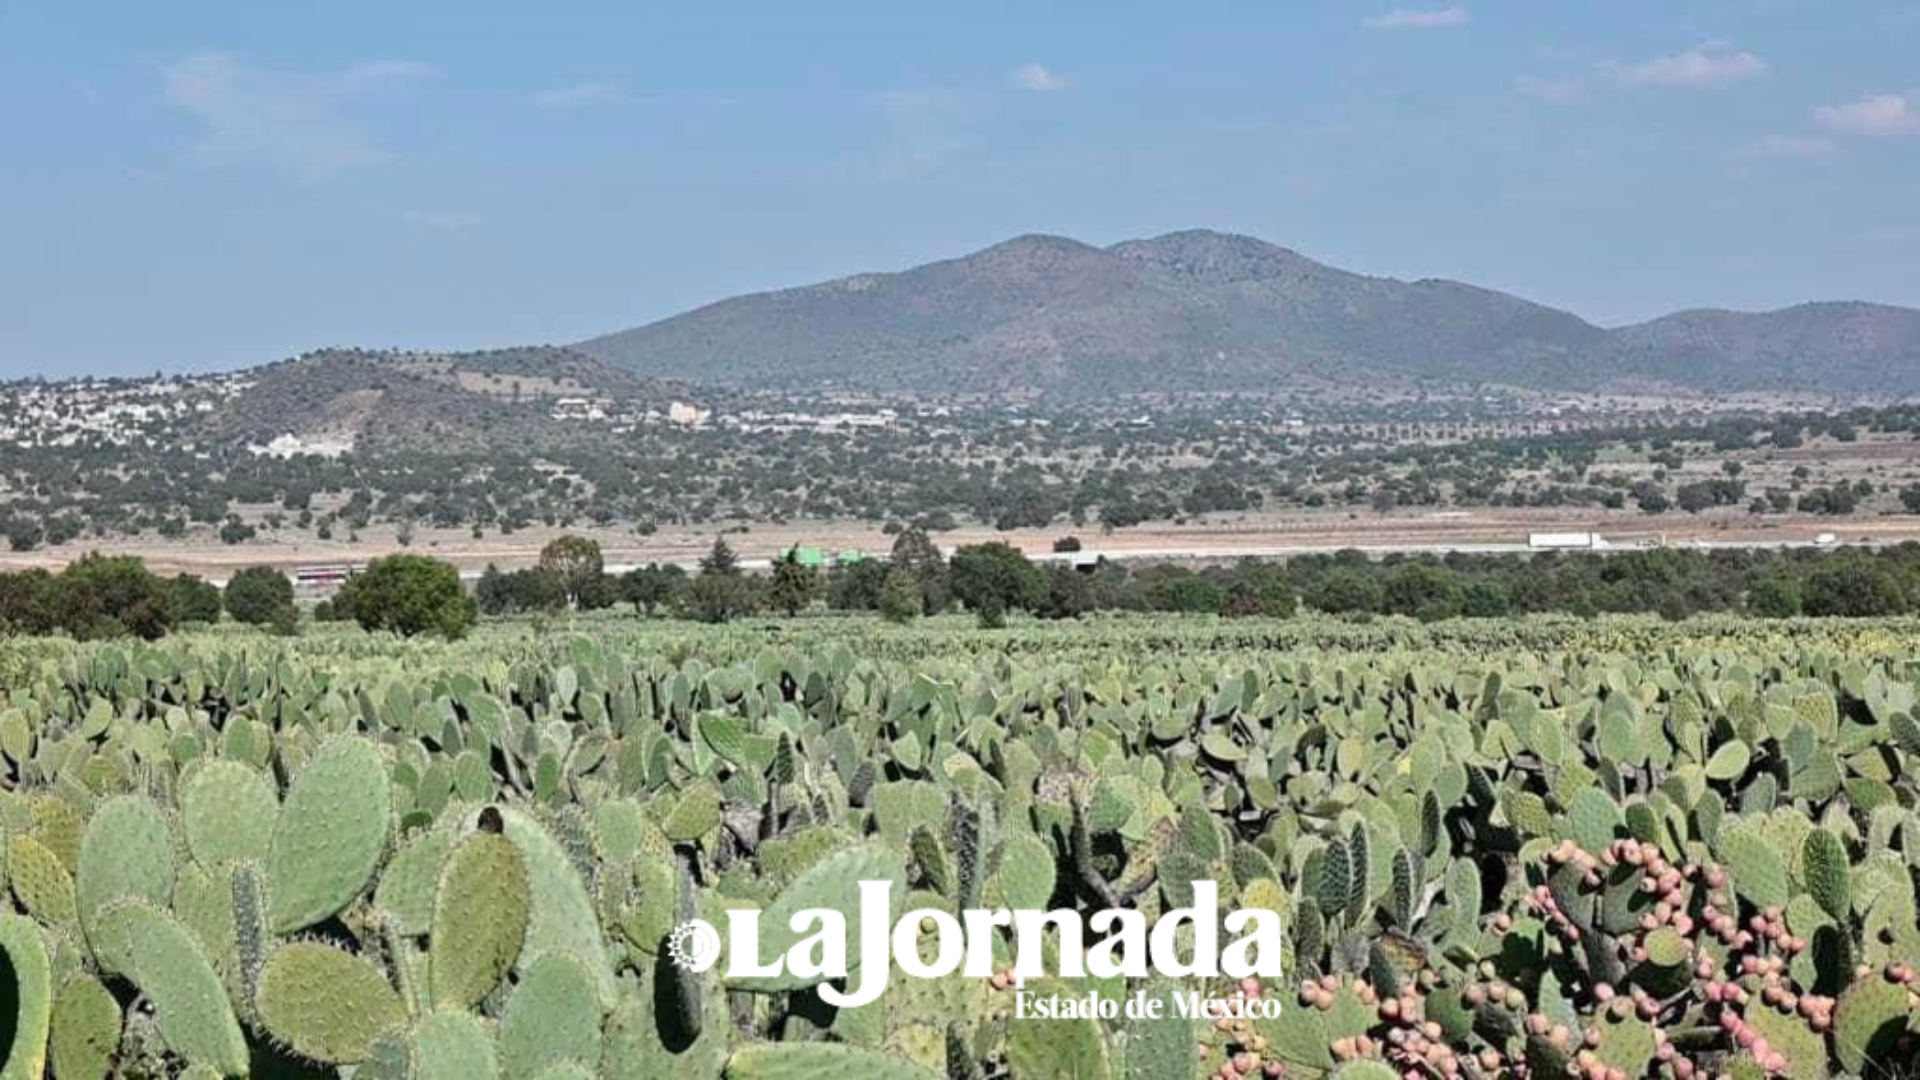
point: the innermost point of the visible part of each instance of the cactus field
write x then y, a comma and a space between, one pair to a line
1540, 849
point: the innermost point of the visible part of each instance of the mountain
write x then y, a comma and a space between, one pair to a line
1203, 311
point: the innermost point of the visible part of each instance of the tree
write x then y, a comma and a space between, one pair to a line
197, 600
1486, 600
1424, 591
917, 555
577, 563
1347, 590
1853, 588
535, 589
721, 592
653, 587
859, 586
408, 595
793, 585
113, 595
995, 578
720, 559
900, 597
1775, 596
28, 603
261, 596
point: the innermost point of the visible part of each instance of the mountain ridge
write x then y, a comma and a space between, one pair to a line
1198, 310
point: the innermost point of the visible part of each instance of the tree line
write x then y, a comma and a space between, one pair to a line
992, 580
113, 596
101, 596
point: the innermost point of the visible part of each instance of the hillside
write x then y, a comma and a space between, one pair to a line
455, 401
1203, 311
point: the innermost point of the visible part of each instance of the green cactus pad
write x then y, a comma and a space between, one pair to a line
553, 1016
824, 1061
479, 921
127, 853
329, 835
454, 1046
1868, 1023
325, 1004
25, 951
832, 883
228, 812
1756, 865
695, 815
1027, 872
86, 1029
1161, 1047
1365, 1070
1667, 948
1057, 1049
1827, 870
643, 1039
41, 882
168, 965
1804, 1048
562, 918
407, 883
1626, 1043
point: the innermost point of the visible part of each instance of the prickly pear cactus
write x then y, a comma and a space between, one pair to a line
329, 835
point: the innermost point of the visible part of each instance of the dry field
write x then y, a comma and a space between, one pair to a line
1223, 536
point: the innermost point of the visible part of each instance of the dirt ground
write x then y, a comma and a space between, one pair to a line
1223, 536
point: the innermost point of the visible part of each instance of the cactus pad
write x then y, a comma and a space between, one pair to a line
127, 853
479, 921
329, 835
25, 951
168, 965
325, 1004
553, 1016
822, 1061
86, 1029
228, 811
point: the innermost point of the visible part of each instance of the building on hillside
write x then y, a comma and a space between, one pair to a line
682, 413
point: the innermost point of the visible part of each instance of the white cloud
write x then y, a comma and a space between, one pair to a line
1875, 114
288, 121
1552, 91
1036, 78
583, 96
1420, 19
1714, 63
1795, 146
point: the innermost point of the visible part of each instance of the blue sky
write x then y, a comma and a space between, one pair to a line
210, 185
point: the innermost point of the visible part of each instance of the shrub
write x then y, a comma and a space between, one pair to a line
900, 597
408, 595
261, 596
1776, 596
995, 578
1853, 587
197, 600
113, 595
